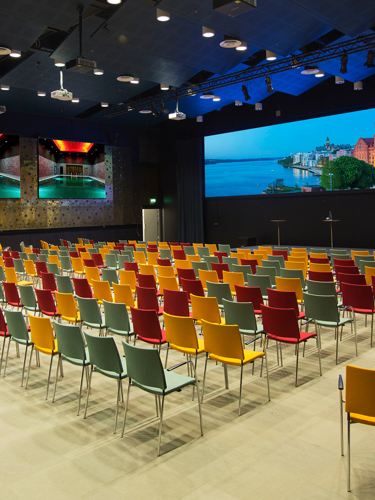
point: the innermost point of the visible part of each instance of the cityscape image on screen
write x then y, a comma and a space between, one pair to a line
330, 153
71, 170
9, 166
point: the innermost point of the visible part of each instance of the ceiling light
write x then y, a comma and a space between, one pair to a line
207, 32
162, 15
230, 43
258, 106
216, 98
242, 46
4, 51
269, 84
207, 95
309, 70
270, 56
319, 74
41, 94
114, 2
344, 62
75, 99
245, 92
130, 108
104, 104
339, 80
199, 119
163, 86
59, 63
15, 53
98, 71
358, 86
238, 103
125, 78
370, 59
4, 87
145, 111
134, 80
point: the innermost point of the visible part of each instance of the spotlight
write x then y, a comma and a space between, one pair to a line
163, 86
15, 53
243, 46
269, 84
59, 63
114, 2
162, 15
358, 86
4, 87
134, 80
370, 59
98, 71
154, 111
339, 80
319, 74
207, 32
104, 104
309, 70
41, 93
75, 99
163, 109
216, 98
245, 92
344, 62
258, 106
270, 56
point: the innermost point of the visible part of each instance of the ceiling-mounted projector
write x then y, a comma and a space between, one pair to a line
177, 115
233, 8
80, 64
62, 94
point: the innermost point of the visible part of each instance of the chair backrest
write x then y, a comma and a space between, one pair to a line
210, 259
164, 262
121, 259
189, 250
102, 290
222, 340
359, 258
10, 274
263, 282
65, 263
176, 303
82, 288
103, 353
54, 259
202, 251
279, 258
224, 248
267, 271
343, 262
220, 291
282, 299
253, 263
169, 271
144, 366
66, 306
147, 298
16, 325
140, 256
245, 270
320, 267
116, 316
251, 294
205, 276
194, 287
146, 323
48, 281
123, 294
321, 287
8, 261
320, 276
41, 333
92, 273
369, 272
290, 284
27, 296
233, 279
272, 263
180, 331
199, 265
109, 275
319, 260
359, 390
346, 269
43, 258
205, 308
357, 279
365, 263
98, 259
131, 266
188, 274
280, 251
64, 284
318, 250
29, 267
18, 266
230, 261
110, 261
219, 268
280, 322
168, 282
128, 278
290, 264
11, 293
241, 314
179, 254
89, 310
46, 302
357, 296
353, 253
70, 342
321, 307
77, 264
146, 281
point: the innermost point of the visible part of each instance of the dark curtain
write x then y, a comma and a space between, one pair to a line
190, 190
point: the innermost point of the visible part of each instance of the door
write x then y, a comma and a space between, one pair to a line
151, 224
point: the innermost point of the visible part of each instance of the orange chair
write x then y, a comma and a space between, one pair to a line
167, 282
128, 278
165, 271
102, 291
291, 285
263, 253
322, 268
206, 308
140, 257
205, 276
233, 279
123, 294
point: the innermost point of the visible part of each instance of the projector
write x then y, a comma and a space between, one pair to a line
2, 109
62, 95
177, 115
233, 8
80, 65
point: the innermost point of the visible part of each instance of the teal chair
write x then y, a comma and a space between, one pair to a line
117, 319
110, 261
28, 298
231, 261
146, 372
220, 291
242, 314
110, 275
293, 273
199, 265
64, 284
72, 349
267, 271
18, 332
105, 359
90, 314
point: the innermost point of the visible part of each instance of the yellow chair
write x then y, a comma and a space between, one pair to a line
54, 247
290, 285
2, 261
205, 275
128, 278
196, 245
246, 251
77, 265
92, 273
223, 344
290, 264
206, 308
11, 276
152, 258
80, 241
165, 271
85, 255
261, 252
212, 247
42, 338
267, 249
147, 269
238, 255
103, 251
299, 250
102, 291
133, 242
88, 245
140, 257
233, 279
30, 269
67, 307
318, 255
369, 272
193, 258
257, 257
181, 264
28, 250
359, 402
359, 252
175, 247
322, 268
168, 282
163, 244
123, 294
54, 259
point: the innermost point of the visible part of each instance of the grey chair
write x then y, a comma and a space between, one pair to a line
53, 252
365, 263
209, 259
272, 263
64, 251
2, 274
263, 282
66, 264
18, 332
199, 265
43, 257
286, 249
110, 275
53, 268
117, 319
23, 256
19, 267
202, 251
33, 256
121, 259
321, 287
318, 250
358, 258
224, 248
245, 270
230, 261
220, 291
242, 314
141, 249
90, 314
267, 271
28, 298
110, 261
293, 273
64, 284
278, 258
114, 252
165, 253
189, 250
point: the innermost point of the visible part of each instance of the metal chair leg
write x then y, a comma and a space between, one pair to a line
348, 451
6, 358
88, 391
57, 376
161, 423
80, 390
126, 408
226, 376
118, 401
24, 365
49, 375
204, 375
28, 372
297, 364
239, 402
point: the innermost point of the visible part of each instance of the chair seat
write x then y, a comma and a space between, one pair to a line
258, 331
72, 319
77, 362
174, 381
94, 325
249, 357
154, 341
24, 282
290, 340
362, 419
47, 351
222, 321
363, 311
120, 332
333, 324
115, 375
189, 350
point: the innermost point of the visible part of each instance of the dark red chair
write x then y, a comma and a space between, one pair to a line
187, 274
80, 249
176, 303
179, 254
98, 259
15, 255
284, 300
281, 325
347, 269
73, 254
320, 276
355, 279
152, 249
6, 253
219, 267
343, 262
163, 262
250, 262
11, 294
46, 302
220, 256
48, 282
173, 244
360, 300
148, 281
36, 250
119, 246
317, 260
91, 242
41, 267
192, 286
146, 326
82, 288
284, 253
147, 299
250, 294
65, 243
185, 244
89, 262
132, 266
131, 245
8, 262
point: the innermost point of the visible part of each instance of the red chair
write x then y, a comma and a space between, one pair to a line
163, 262
147, 299
173, 244
284, 253
316, 260
192, 286
8, 262
320, 276
81, 249
219, 268
179, 254
3, 333
284, 300
11, 294
187, 274
73, 254
41, 267
48, 282
360, 300
89, 263
6, 253
281, 325
131, 245
185, 244
148, 281
373, 284
98, 259
82, 288
152, 249
220, 256
355, 279
250, 262
176, 303
250, 294
132, 266
46, 302
36, 250
343, 262
65, 243
146, 326
347, 269
15, 255
119, 246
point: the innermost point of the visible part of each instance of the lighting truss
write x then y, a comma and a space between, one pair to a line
353, 46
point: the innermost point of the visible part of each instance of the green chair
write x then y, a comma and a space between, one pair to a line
220, 291
272, 263
189, 250
19, 267
66, 264
165, 253
268, 271
209, 259
224, 248
28, 298
44, 251
53, 268
2, 297
2, 274
242, 314
231, 261
90, 314
263, 282
121, 259
123, 241
146, 372
325, 313
23, 256
110, 275
321, 287
203, 251
318, 250
18, 332
43, 257
110, 261
114, 252
117, 319
293, 273
33, 256
339, 254
105, 359
245, 270
71, 347
278, 258
64, 284
364, 261
199, 265
286, 249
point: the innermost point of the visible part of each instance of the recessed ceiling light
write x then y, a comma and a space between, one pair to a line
216, 98
15, 53
145, 111
130, 108
162, 15
163, 86
134, 80
98, 71
4, 51
230, 43
4, 87
207, 32
41, 93
243, 46
104, 104
114, 2
319, 74
59, 63
124, 78
75, 99
309, 70
270, 56
207, 95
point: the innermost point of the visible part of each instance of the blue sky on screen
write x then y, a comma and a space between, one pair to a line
290, 138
